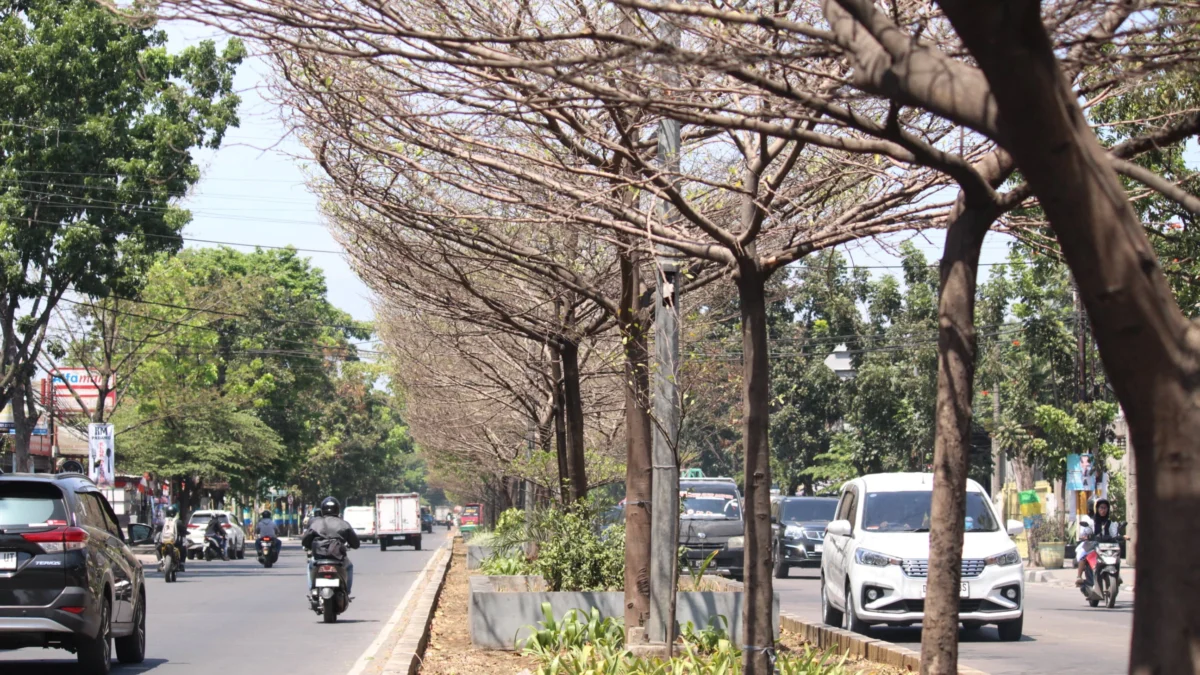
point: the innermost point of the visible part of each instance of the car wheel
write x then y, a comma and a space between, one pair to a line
132, 648
781, 568
383, 546
95, 654
829, 614
850, 620
1010, 631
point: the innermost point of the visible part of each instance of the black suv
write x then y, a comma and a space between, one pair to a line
67, 577
710, 519
799, 524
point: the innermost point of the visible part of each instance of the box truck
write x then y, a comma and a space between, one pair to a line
398, 520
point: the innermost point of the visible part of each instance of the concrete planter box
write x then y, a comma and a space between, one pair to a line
503, 610
476, 555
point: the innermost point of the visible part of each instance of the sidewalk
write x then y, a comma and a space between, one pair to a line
1065, 577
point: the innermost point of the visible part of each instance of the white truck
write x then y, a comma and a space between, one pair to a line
441, 515
398, 520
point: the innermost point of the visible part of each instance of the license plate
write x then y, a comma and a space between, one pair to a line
328, 583
8, 561
963, 592
818, 548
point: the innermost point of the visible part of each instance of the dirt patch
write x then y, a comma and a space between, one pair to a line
791, 642
450, 651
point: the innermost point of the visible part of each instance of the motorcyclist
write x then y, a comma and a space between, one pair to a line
266, 528
329, 525
172, 533
215, 531
1104, 528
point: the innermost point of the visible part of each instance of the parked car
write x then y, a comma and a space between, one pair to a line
799, 525
876, 558
426, 520
362, 519
67, 578
235, 536
710, 521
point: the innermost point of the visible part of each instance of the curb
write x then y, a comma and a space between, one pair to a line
409, 649
853, 644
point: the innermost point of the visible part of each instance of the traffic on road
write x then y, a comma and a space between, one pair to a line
76, 598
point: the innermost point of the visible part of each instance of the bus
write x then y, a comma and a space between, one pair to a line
472, 518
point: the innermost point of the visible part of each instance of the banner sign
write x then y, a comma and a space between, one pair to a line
100, 453
1079, 473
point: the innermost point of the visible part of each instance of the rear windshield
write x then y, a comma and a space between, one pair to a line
31, 505
203, 518
710, 501
803, 510
909, 512
471, 511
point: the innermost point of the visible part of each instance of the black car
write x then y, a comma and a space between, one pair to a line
710, 519
799, 525
67, 578
426, 520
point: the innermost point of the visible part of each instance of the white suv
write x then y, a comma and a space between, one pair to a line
876, 558
235, 536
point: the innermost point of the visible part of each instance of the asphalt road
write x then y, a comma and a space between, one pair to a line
238, 617
1062, 634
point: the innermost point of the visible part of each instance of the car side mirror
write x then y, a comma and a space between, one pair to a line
1015, 527
840, 528
140, 533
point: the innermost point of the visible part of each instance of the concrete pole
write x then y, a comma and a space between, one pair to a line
997, 451
664, 502
1131, 500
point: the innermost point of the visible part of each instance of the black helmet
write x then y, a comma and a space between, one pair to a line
330, 507
1105, 503
172, 511
266, 514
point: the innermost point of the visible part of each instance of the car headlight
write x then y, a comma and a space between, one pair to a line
1009, 557
793, 532
735, 542
865, 557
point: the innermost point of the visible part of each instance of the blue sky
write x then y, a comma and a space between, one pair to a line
253, 192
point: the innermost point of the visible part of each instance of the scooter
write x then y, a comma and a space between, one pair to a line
170, 561
213, 549
1102, 577
329, 595
268, 550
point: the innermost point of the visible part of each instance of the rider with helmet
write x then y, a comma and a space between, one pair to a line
266, 528
329, 525
172, 532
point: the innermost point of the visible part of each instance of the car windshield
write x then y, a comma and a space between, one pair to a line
909, 512
804, 510
706, 501
31, 505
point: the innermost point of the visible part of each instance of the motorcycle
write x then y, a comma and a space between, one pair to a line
268, 550
213, 549
169, 562
1102, 578
329, 595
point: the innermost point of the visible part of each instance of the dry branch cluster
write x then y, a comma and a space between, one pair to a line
503, 173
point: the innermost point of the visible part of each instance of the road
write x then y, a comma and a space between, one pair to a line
1062, 634
238, 617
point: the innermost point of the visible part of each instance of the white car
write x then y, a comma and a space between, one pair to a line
876, 558
362, 519
234, 534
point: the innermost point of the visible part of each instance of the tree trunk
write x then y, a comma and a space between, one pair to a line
560, 427
1150, 351
637, 446
952, 443
757, 627
22, 429
573, 415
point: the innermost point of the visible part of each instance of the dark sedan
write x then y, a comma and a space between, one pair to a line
799, 524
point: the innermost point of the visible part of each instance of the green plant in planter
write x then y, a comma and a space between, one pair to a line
495, 565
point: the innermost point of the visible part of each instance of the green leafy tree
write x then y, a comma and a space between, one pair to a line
97, 123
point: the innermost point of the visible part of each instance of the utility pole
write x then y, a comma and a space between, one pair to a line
997, 452
664, 503
1131, 499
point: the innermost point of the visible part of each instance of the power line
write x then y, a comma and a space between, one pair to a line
48, 223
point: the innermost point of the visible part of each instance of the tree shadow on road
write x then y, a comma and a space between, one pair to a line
69, 666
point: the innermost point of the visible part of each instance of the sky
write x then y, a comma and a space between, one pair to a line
253, 192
